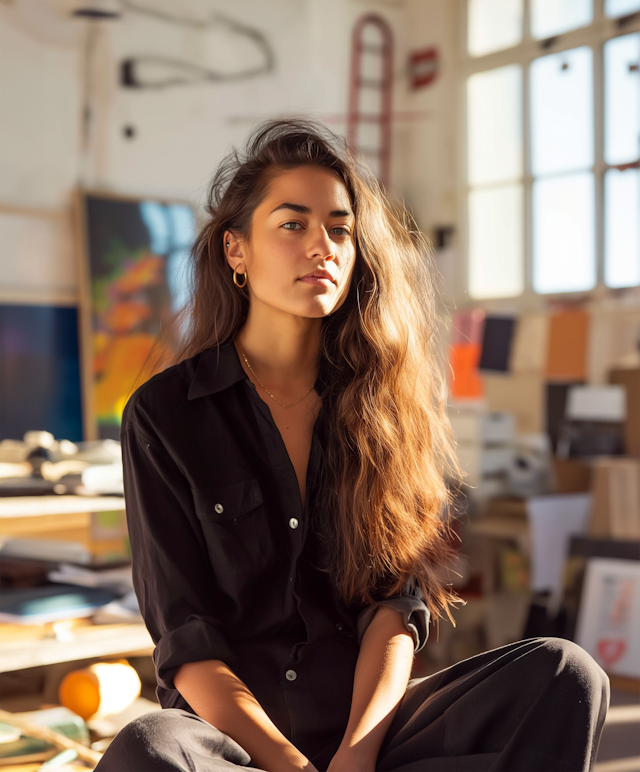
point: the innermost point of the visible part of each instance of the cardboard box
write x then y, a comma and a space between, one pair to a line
510, 508
613, 335
616, 498
630, 379
482, 428
479, 461
571, 475
521, 395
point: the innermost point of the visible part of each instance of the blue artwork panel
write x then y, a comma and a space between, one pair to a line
39, 372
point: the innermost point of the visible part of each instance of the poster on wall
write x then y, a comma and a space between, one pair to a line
134, 277
609, 616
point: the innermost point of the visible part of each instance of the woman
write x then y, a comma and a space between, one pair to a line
285, 500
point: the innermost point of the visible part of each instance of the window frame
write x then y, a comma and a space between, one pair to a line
601, 29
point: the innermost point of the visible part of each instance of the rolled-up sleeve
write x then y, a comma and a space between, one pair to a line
172, 576
411, 605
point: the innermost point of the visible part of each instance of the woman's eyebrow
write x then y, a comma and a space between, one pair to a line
300, 209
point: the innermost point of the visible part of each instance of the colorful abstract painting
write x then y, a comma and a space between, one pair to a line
137, 259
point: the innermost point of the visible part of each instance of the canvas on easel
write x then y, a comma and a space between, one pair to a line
133, 277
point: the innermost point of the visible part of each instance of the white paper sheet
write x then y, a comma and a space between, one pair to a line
553, 520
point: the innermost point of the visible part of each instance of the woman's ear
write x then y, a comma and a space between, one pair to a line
233, 250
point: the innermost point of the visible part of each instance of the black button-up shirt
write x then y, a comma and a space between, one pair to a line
226, 562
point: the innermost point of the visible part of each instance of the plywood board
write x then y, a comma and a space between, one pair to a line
522, 395
567, 351
613, 335
530, 343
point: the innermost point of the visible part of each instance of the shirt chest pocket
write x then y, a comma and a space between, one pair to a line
220, 505
239, 535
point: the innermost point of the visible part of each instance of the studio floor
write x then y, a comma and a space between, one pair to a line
620, 744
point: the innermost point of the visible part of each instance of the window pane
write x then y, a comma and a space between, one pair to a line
494, 25
621, 7
563, 234
562, 111
553, 17
494, 125
495, 242
622, 228
622, 99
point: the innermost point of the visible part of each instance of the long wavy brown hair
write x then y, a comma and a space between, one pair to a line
389, 443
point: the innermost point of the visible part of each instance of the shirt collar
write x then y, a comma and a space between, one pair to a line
219, 368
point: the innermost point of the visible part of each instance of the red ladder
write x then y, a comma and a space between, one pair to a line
371, 72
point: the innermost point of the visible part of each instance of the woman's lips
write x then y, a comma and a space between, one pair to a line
320, 281
319, 276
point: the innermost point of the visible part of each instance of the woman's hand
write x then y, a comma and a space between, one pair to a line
348, 761
218, 696
382, 672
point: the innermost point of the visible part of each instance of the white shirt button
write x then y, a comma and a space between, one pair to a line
291, 675
219, 508
293, 523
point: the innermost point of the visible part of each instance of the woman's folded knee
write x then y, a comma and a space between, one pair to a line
152, 730
168, 734
160, 720
569, 661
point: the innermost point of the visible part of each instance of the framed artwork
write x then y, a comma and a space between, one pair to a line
134, 276
39, 371
583, 549
609, 615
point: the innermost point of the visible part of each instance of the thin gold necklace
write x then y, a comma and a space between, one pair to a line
244, 356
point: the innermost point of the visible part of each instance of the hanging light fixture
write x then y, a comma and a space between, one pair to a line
97, 9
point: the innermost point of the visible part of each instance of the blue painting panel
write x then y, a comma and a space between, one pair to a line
39, 372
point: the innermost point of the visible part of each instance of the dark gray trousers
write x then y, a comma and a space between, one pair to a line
532, 706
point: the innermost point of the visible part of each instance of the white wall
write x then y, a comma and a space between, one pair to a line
432, 151
430, 154
39, 134
181, 133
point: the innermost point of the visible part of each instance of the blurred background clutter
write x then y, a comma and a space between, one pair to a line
510, 128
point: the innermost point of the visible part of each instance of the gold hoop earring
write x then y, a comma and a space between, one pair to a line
235, 279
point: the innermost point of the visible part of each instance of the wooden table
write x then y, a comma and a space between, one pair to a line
24, 646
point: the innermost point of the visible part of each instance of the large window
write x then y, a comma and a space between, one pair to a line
494, 150
553, 146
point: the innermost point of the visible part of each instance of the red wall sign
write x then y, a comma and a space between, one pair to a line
423, 67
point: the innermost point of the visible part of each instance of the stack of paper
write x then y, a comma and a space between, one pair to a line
39, 605
116, 579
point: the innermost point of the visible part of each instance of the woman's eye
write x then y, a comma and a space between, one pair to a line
342, 231
292, 226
